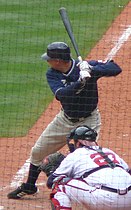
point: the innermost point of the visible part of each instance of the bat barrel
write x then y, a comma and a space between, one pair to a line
67, 24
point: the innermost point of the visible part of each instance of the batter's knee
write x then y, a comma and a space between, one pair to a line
36, 156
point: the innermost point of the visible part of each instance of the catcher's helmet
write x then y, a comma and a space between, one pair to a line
83, 133
57, 50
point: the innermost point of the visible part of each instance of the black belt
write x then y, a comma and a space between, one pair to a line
120, 192
110, 189
75, 120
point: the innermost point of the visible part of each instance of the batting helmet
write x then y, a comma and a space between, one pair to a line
57, 50
83, 133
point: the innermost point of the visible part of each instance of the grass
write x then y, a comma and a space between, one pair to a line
26, 28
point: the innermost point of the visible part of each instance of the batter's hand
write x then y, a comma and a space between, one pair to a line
85, 66
84, 74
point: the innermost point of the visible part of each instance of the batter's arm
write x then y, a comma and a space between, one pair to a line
60, 89
105, 69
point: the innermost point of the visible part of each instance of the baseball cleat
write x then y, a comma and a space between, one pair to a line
22, 191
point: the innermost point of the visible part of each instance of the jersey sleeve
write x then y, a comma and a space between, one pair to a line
109, 68
124, 164
65, 168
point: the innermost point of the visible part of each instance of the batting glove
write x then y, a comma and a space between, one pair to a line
84, 66
84, 74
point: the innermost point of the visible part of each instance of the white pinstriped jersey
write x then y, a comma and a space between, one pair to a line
83, 160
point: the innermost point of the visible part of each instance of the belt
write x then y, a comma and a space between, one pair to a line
120, 192
74, 120
110, 189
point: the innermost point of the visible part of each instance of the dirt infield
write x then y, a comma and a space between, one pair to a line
115, 108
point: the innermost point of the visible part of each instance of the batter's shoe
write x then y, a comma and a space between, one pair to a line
22, 191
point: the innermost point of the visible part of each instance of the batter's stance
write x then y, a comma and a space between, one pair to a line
75, 86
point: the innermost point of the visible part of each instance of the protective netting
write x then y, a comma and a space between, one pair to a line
102, 30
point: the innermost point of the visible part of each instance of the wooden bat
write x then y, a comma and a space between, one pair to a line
68, 27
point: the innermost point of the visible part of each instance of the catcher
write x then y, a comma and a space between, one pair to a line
92, 176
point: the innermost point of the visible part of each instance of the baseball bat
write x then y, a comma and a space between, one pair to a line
68, 27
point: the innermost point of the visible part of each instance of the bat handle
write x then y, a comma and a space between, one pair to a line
80, 58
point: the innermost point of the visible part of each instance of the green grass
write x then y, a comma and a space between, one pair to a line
26, 27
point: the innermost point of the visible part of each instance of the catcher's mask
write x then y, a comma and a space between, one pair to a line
82, 132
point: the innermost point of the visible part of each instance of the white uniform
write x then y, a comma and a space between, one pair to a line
88, 191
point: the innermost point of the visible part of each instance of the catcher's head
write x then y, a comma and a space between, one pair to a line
82, 134
57, 50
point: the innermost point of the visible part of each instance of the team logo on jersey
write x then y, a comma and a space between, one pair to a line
64, 82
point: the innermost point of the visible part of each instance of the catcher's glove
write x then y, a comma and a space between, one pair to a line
51, 163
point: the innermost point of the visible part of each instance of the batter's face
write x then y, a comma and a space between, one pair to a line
59, 65
53, 63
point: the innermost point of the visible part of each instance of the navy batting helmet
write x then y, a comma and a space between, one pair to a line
57, 50
83, 133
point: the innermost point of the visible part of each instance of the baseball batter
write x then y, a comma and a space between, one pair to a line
96, 177
74, 85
